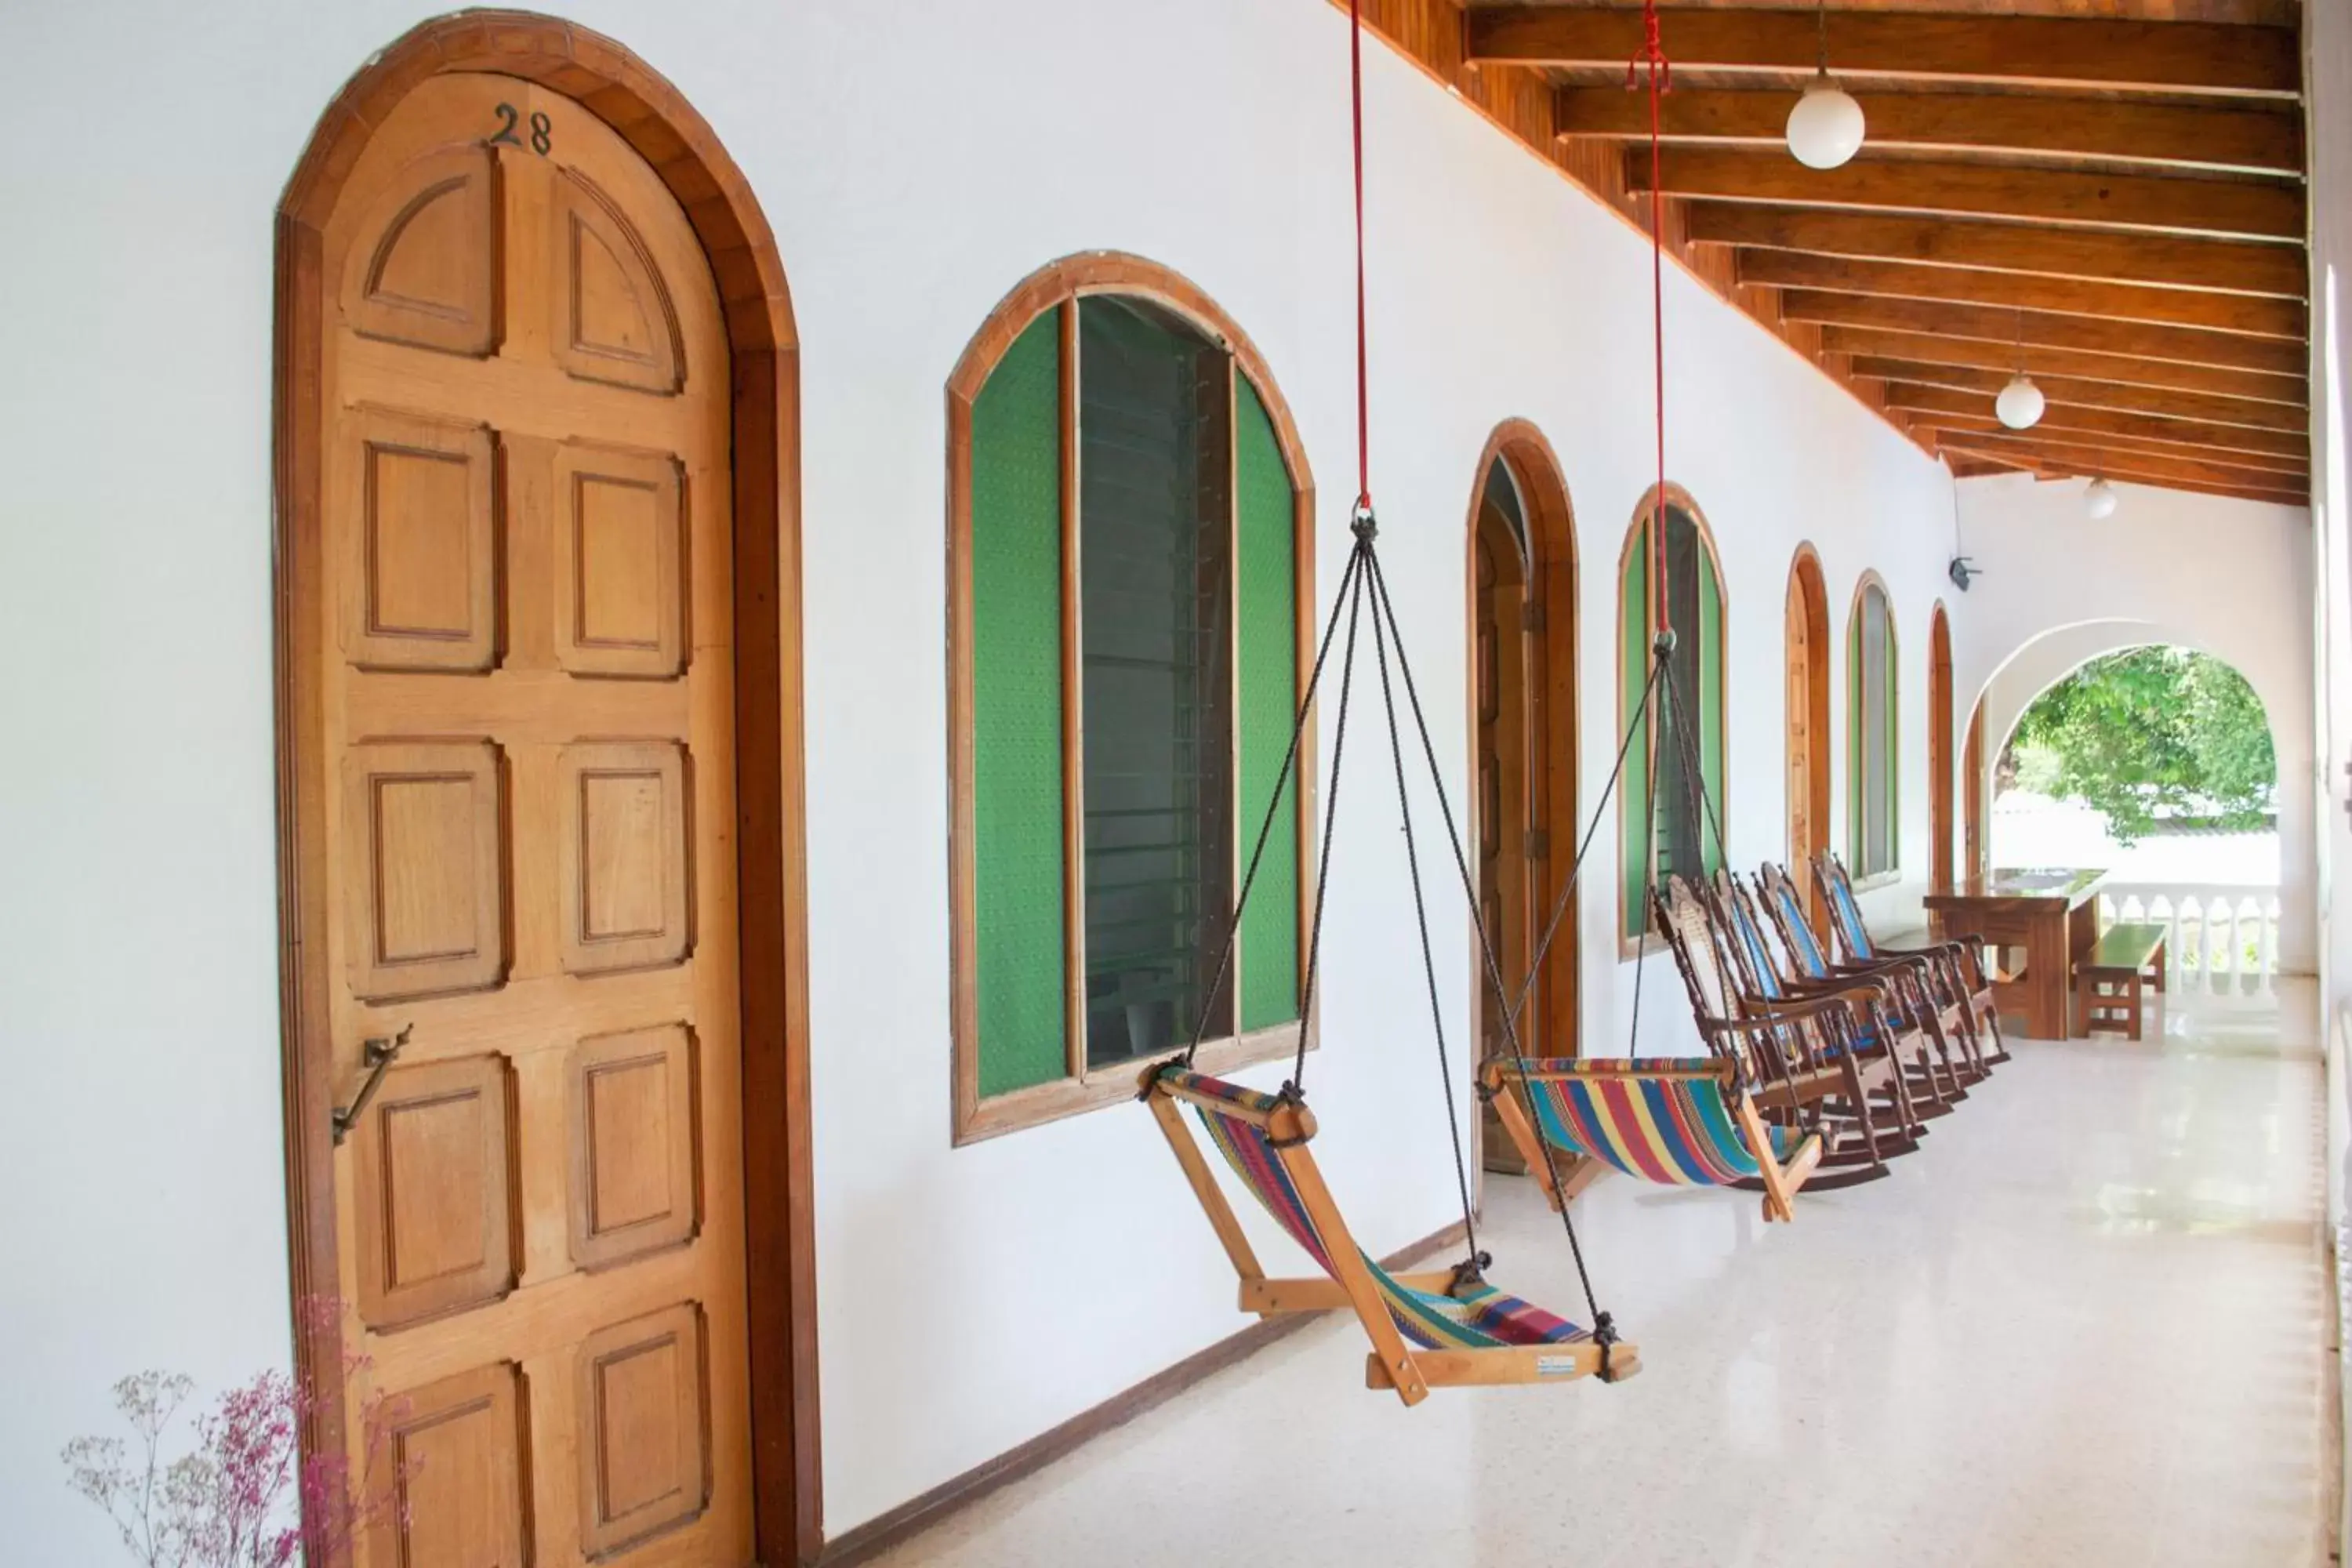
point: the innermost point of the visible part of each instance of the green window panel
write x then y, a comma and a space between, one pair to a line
1267, 626
1017, 594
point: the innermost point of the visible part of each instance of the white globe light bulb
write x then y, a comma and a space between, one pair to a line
1825, 128
2099, 500
2020, 404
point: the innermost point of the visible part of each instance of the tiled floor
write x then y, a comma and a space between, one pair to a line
2083, 1325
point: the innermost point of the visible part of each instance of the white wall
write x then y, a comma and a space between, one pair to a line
2229, 577
913, 173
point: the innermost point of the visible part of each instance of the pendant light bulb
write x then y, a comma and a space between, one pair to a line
2020, 404
2099, 500
1825, 128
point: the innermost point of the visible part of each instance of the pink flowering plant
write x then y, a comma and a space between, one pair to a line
240, 1495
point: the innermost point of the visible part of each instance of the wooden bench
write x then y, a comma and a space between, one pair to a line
2109, 975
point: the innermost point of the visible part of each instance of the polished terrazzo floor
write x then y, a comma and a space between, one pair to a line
2083, 1325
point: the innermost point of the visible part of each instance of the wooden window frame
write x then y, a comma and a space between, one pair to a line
1856, 736
1058, 288
1654, 498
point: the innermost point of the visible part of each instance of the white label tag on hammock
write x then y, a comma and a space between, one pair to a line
1555, 1365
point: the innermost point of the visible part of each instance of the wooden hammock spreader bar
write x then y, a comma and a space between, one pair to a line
1284, 1128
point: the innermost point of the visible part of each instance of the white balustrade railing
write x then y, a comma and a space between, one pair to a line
2223, 937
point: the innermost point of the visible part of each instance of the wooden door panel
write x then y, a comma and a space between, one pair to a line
428, 272
426, 864
542, 1215
620, 541
425, 580
633, 1145
454, 1453
644, 1437
435, 1225
623, 854
614, 319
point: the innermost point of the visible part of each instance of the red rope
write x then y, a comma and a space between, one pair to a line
1363, 380
1653, 55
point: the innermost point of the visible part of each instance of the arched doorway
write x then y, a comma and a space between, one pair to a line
1939, 750
1807, 693
576, 965
1522, 658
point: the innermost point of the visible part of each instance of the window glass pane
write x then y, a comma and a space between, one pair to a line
1633, 675
1876, 720
1155, 558
1681, 840
1016, 657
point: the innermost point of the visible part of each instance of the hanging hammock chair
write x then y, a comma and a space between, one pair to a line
1684, 1122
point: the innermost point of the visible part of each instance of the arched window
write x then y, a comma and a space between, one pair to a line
1681, 837
1129, 547
1874, 837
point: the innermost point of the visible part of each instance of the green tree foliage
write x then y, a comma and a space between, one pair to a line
2148, 734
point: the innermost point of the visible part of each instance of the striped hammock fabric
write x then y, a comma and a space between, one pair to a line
1650, 1118
1482, 1318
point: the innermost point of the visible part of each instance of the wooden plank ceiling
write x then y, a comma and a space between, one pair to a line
2106, 194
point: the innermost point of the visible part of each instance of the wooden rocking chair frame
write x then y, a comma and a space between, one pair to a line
1922, 1028
1956, 971
1804, 1056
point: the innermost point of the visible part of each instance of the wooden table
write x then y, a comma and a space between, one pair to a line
2050, 915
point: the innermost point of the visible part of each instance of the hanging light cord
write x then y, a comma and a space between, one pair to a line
1363, 393
1821, 15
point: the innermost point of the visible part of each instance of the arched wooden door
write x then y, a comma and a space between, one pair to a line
1807, 687
1939, 750
1523, 677
512, 623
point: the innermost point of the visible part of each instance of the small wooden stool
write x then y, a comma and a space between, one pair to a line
2109, 977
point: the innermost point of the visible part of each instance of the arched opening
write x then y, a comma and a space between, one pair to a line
1131, 578
1874, 842
1686, 815
1939, 751
480, 171
2153, 763
1806, 690
1522, 659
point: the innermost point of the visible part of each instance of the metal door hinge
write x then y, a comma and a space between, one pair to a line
377, 1056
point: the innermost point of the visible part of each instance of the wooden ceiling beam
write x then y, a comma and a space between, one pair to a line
1952, 390
2242, 208
2245, 313
2133, 465
2041, 50
2161, 259
2185, 345
2239, 138
1960, 426
2203, 392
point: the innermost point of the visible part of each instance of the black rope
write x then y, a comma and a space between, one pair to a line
1365, 530
1604, 1328
1473, 1265
1274, 806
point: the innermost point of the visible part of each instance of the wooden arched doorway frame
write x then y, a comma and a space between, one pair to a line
651, 116
1544, 818
1807, 690
1939, 750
